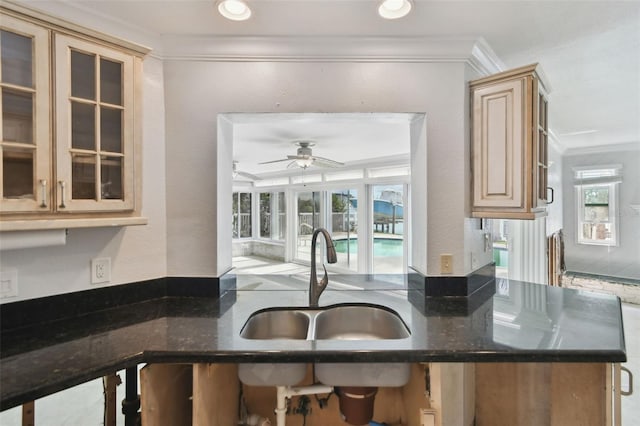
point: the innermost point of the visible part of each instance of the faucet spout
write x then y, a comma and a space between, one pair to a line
316, 288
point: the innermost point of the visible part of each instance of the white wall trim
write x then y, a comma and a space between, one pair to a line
474, 51
484, 60
555, 143
627, 146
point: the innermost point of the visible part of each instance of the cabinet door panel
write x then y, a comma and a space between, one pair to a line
25, 134
94, 137
497, 149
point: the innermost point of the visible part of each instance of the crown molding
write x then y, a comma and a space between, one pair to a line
484, 60
473, 51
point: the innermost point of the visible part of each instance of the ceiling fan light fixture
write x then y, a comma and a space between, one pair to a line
303, 162
394, 9
236, 10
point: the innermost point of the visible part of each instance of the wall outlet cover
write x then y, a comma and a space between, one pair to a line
100, 270
446, 264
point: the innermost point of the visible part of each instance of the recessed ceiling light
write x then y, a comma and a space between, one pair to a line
236, 10
394, 9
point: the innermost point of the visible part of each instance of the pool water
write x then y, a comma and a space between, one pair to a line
382, 247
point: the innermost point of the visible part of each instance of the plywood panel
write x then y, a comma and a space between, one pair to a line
414, 395
215, 394
524, 394
512, 394
578, 394
165, 394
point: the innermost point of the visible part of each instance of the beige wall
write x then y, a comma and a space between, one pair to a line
196, 91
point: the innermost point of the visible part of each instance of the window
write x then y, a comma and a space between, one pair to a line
241, 215
272, 215
597, 205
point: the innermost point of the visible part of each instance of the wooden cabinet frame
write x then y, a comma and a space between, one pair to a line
509, 145
49, 209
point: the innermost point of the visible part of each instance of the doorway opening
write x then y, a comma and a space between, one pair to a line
364, 201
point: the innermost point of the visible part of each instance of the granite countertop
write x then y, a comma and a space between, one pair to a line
506, 321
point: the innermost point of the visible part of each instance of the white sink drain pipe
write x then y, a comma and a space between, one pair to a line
285, 392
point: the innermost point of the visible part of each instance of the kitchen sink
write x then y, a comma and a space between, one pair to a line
359, 322
277, 324
335, 322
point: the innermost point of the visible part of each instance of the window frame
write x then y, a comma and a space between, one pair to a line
238, 227
274, 210
597, 177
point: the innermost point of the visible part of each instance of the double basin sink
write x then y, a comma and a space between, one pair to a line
355, 322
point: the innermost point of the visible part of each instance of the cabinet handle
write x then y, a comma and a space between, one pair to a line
43, 187
630, 391
63, 185
552, 194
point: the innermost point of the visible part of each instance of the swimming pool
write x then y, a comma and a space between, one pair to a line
382, 247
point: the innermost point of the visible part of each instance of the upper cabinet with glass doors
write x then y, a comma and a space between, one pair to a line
68, 159
25, 140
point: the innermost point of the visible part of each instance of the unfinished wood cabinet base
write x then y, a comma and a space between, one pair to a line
209, 395
556, 394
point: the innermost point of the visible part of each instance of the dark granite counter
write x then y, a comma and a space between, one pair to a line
505, 321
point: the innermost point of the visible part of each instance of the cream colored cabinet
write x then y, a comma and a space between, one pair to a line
70, 140
94, 133
509, 145
25, 138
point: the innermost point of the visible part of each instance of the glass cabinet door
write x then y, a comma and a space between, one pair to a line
94, 101
24, 104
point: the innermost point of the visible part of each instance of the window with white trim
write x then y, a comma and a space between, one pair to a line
597, 204
241, 215
272, 215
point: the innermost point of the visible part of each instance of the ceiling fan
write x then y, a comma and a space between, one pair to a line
304, 157
237, 173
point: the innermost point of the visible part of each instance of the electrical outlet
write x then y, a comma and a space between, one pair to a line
446, 264
427, 417
8, 283
100, 270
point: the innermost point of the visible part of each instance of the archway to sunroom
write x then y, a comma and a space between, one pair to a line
347, 172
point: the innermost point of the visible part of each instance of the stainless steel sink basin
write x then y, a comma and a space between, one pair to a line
336, 322
359, 322
276, 324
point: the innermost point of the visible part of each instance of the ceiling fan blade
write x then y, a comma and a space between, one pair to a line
299, 157
326, 162
291, 165
275, 161
249, 176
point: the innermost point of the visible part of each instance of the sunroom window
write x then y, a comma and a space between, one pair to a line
596, 196
241, 215
272, 215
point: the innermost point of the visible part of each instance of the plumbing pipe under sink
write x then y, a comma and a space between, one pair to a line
285, 392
